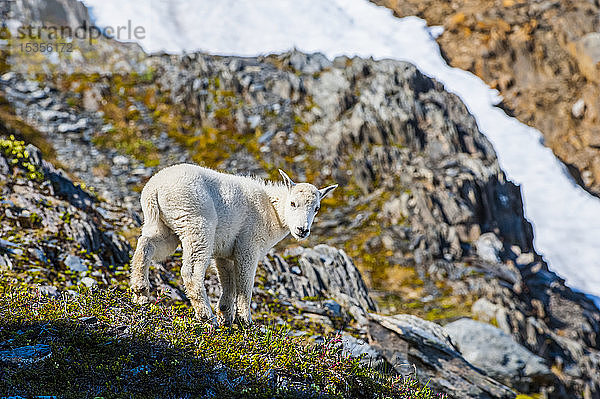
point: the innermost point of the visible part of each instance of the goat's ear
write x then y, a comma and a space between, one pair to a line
324, 191
288, 182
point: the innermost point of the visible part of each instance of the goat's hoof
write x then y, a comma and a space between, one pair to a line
245, 321
210, 320
140, 298
204, 314
225, 321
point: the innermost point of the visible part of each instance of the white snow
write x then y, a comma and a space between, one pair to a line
566, 219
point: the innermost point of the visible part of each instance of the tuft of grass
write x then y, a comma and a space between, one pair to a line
104, 345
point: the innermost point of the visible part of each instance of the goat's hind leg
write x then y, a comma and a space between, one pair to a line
140, 263
156, 247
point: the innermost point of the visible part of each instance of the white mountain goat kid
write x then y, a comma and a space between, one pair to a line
232, 219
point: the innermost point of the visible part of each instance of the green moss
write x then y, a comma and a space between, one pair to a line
13, 125
17, 155
444, 309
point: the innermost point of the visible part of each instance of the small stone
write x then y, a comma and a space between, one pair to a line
75, 263
88, 319
48, 290
4, 168
89, 282
488, 247
266, 137
254, 121
38, 254
525, 259
48, 115
72, 127
34, 154
8, 76
578, 108
484, 310
120, 160
333, 308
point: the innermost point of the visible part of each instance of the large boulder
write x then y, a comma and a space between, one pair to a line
406, 339
499, 355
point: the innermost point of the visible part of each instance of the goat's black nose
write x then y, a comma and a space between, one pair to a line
302, 231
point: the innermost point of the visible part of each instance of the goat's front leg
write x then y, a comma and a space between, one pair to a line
246, 262
226, 270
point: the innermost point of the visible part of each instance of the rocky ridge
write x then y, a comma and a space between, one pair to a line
541, 55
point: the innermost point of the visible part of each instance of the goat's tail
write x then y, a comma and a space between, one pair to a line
151, 211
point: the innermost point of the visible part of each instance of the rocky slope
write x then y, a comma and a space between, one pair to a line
423, 207
59, 238
541, 55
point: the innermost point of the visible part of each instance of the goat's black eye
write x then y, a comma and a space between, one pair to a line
293, 204
317, 209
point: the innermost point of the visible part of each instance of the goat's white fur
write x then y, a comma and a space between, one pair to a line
234, 220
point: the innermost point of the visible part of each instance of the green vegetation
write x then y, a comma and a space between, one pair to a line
16, 153
103, 345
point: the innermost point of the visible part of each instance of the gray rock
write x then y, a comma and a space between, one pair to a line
48, 290
488, 247
26, 355
358, 348
416, 329
4, 168
325, 272
120, 160
266, 137
578, 108
89, 282
48, 115
75, 263
484, 310
405, 340
498, 354
35, 155
308, 63
72, 127
8, 76
254, 121
333, 308
525, 258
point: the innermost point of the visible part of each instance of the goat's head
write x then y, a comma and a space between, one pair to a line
303, 202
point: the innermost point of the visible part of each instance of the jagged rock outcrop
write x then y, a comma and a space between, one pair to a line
53, 230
